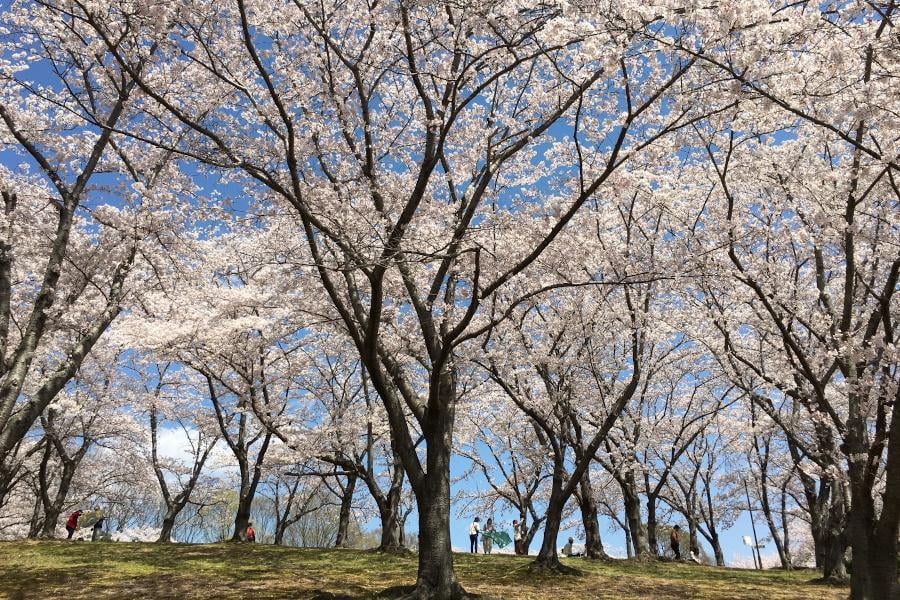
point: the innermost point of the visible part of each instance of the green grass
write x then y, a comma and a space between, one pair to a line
76, 570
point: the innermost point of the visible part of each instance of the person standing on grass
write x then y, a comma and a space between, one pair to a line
249, 533
486, 540
673, 540
72, 523
474, 529
517, 537
97, 531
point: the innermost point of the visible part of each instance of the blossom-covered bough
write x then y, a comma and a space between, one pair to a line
468, 201
405, 135
84, 212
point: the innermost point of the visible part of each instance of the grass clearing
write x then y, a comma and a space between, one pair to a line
95, 571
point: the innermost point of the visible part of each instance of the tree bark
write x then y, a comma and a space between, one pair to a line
175, 505
633, 515
873, 537
246, 495
51, 511
547, 556
168, 524
36, 523
390, 525
342, 538
834, 543
593, 545
530, 531
629, 547
783, 555
694, 542
436, 578
248, 491
652, 542
717, 549
69, 464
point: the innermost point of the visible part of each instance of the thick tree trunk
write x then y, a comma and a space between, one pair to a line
168, 524
36, 523
530, 532
389, 512
873, 536
816, 530
694, 542
717, 550
390, 528
548, 557
834, 544
242, 518
51, 512
633, 516
246, 495
874, 544
593, 545
51, 518
436, 579
652, 542
874, 574
879, 576
342, 539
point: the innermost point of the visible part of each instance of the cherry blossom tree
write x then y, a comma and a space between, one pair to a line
704, 487
354, 434
620, 217
830, 69
674, 412
87, 415
505, 449
569, 354
810, 326
168, 399
78, 213
463, 97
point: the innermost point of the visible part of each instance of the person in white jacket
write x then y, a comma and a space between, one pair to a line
474, 530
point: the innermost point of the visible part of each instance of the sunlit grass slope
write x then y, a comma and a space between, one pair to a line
39, 570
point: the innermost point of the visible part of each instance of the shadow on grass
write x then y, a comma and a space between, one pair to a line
85, 571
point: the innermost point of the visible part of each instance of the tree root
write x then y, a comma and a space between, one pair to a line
412, 592
393, 550
645, 558
599, 556
320, 595
830, 580
539, 567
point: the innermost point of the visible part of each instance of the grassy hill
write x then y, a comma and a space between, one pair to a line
75, 570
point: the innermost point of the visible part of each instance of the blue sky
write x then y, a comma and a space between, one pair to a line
612, 535
172, 444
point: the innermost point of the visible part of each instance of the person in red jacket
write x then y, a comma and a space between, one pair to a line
72, 523
249, 534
